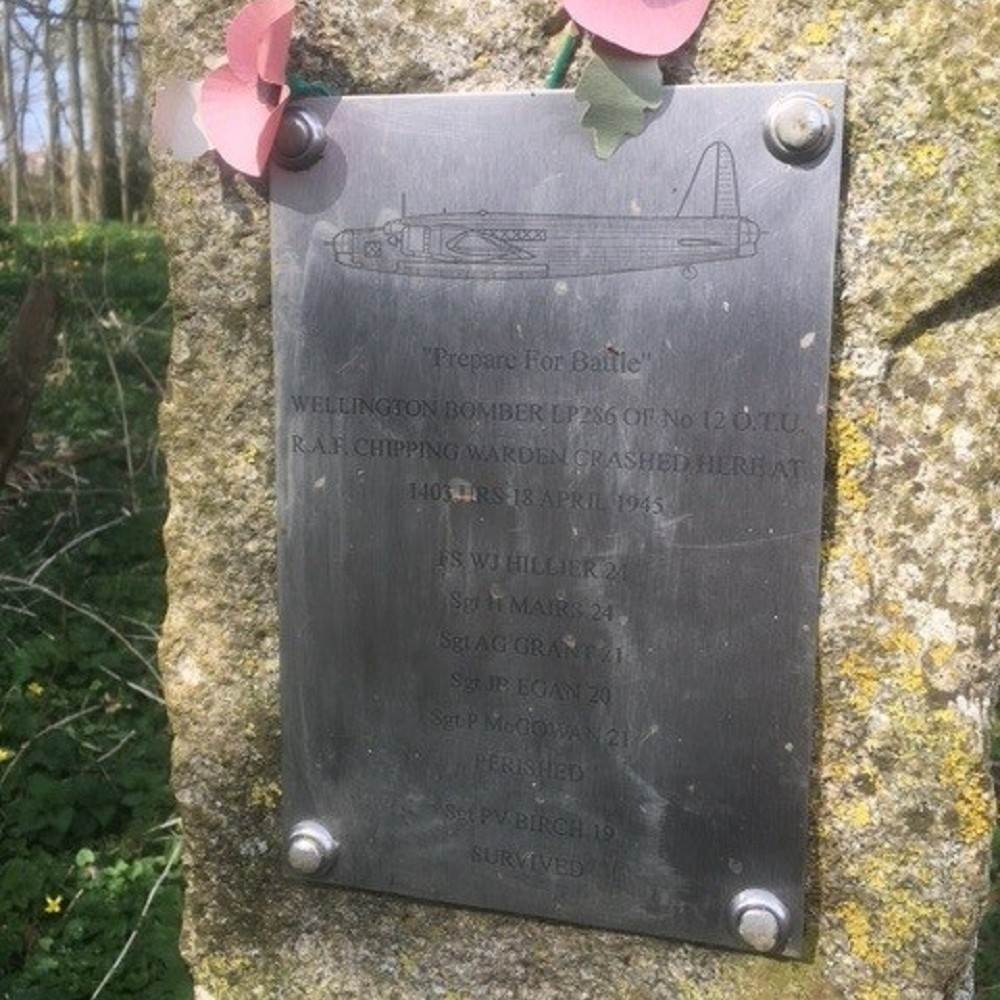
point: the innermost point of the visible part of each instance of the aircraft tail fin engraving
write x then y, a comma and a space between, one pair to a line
713, 191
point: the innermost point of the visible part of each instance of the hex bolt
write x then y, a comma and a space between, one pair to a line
311, 848
798, 128
759, 919
301, 139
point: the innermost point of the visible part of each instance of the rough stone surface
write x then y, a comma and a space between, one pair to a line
903, 808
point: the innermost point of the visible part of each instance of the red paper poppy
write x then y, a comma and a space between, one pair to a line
242, 101
646, 27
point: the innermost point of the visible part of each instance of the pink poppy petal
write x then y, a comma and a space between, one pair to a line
239, 125
257, 40
646, 27
270, 130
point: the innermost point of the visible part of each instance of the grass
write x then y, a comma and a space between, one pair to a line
90, 885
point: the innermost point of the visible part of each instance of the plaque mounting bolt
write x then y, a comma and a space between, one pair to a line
799, 128
301, 139
759, 919
311, 848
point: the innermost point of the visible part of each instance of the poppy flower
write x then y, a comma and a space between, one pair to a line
645, 27
242, 101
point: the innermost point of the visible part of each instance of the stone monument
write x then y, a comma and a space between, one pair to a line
902, 809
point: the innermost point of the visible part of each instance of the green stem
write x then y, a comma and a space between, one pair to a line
567, 50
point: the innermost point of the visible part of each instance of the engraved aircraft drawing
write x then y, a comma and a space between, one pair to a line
503, 245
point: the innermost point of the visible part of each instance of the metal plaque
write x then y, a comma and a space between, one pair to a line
550, 462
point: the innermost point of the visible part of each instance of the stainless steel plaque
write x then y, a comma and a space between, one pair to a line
550, 461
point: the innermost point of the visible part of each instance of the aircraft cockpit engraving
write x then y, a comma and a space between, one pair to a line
495, 246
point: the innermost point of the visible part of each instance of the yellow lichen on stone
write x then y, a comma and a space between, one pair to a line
880, 991
220, 971
859, 814
903, 647
940, 653
851, 494
752, 979
851, 450
898, 640
895, 902
731, 54
862, 681
962, 770
860, 567
911, 680
265, 794
947, 736
891, 913
250, 453
924, 159
822, 32
832, 551
815, 34
858, 928
733, 11
901, 879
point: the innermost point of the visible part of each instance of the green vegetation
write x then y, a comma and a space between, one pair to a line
90, 886
988, 955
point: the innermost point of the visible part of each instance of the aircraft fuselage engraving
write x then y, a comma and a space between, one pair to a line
490, 245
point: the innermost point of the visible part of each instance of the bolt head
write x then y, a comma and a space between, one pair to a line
301, 140
305, 856
759, 928
311, 848
799, 128
760, 920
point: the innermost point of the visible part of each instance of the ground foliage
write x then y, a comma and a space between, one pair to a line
90, 883
988, 955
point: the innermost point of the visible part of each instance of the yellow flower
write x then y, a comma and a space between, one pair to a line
53, 904
5, 755
35, 689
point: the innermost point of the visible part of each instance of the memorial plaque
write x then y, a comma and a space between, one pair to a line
550, 465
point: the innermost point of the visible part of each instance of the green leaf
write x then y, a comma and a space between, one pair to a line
619, 90
84, 857
301, 87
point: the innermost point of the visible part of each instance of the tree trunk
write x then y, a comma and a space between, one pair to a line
137, 124
55, 171
78, 142
101, 111
96, 77
118, 89
8, 117
29, 348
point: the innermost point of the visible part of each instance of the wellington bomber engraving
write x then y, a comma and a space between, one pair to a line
490, 245
549, 509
